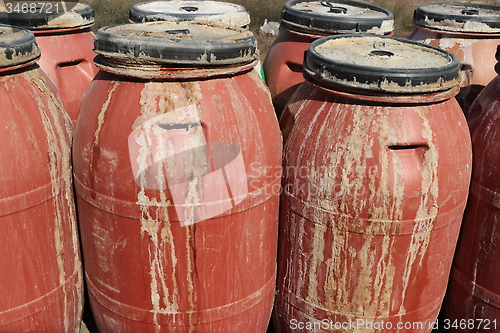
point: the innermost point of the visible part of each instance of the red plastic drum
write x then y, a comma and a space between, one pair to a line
376, 175
473, 299
471, 32
177, 169
41, 286
303, 22
62, 31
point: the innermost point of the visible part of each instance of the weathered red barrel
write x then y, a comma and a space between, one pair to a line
213, 11
41, 286
470, 31
177, 164
303, 22
376, 176
472, 302
62, 30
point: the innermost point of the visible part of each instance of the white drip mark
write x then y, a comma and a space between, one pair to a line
426, 212
102, 113
58, 142
159, 98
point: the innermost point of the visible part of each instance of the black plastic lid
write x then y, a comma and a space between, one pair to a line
182, 43
380, 63
46, 15
459, 17
337, 17
17, 46
176, 11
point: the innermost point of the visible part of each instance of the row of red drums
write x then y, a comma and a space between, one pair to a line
180, 173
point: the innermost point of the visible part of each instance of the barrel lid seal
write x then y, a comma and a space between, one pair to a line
46, 14
190, 43
380, 63
17, 46
336, 17
459, 17
197, 10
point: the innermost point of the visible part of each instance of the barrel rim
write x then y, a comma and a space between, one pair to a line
177, 51
313, 22
393, 80
425, 17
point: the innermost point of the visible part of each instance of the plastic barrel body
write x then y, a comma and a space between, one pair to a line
374, 189
472, 300
178, 187
41, 283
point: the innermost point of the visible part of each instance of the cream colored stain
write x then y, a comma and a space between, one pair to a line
360, 281
427, 211
59, 154
159, 98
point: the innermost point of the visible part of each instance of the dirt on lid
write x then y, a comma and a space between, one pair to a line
212, 11
191, 7
465, 10
181, 30
381, 53
8, 34
459, 17
338, 9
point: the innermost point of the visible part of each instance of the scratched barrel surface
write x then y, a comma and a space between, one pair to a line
177, 169
375, 181
41, 285
473, 301
62, 30
212, 11
468, 30
303, 22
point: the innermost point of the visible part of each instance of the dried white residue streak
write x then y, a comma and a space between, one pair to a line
458, 26
467, 47
157, 99
366, 290
426, 213
385, 204
318, 245
102, 113
152, 226
386, 27
58, 134
362, 177
158, 230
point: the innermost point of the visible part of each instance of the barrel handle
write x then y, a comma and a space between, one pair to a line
408, 146
334, 9
190, 8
